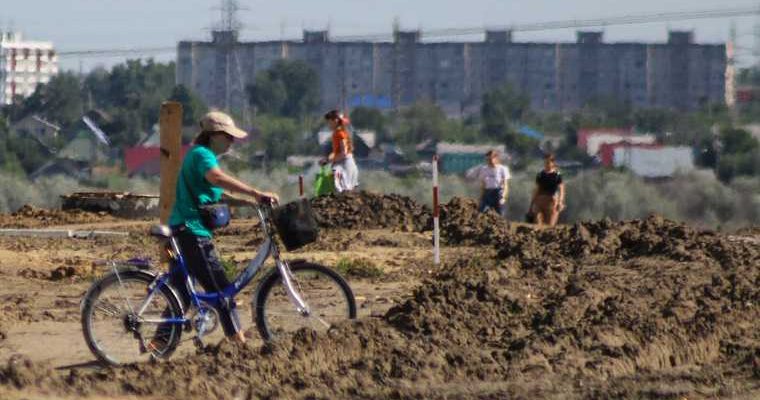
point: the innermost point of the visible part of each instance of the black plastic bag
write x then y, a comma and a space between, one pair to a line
296, 224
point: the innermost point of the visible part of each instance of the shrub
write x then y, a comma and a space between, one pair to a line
358, 267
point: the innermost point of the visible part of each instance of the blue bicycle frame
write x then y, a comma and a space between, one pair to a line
198, 300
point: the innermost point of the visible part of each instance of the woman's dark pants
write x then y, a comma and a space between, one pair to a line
203, 263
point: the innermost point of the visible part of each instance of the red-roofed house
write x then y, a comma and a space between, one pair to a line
585, 133
607, 150
145, 160
591, 140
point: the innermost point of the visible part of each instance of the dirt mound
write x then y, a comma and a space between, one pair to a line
597, 241
21, 372
30, 217
613, 310
462, 223
635, 309
16, 307
749, 231
366, 210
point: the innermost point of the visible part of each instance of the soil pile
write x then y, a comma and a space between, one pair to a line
32, 217
462, 223
366, 210
749, 231
597, 241
637, 309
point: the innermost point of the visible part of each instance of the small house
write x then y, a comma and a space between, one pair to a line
455, 158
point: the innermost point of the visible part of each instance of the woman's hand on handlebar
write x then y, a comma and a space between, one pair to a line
269, 198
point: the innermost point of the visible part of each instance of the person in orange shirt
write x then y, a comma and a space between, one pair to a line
342, 158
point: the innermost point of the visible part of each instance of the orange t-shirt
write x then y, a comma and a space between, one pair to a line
337, 139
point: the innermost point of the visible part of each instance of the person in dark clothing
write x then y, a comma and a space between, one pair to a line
549, 195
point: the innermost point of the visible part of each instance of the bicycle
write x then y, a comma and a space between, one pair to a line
133, 313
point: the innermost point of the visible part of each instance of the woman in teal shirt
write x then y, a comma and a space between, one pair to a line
200, 171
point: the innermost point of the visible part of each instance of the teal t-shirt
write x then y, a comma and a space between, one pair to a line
198, 161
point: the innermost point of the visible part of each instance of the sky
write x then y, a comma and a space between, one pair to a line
118, 24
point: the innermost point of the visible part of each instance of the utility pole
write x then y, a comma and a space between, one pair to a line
730, 85
226, 36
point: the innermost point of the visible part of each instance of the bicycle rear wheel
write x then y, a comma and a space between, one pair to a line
328, 296
114, 331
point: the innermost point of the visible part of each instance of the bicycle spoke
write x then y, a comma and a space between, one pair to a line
322, 321
109, 309
326, 300
121, 336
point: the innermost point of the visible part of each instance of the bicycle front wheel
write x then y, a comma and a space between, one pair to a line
121, 318
328, 297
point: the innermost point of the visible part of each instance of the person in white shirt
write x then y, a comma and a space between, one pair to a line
494, 181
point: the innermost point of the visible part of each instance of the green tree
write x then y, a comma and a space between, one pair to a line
737, 141
653, 120
279, 137
370, 118
288, 88
501, 109
193, 107
419, 122
60, 100
610, 111
131, 93
739, 154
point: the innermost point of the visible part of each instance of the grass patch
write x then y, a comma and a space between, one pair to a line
231, 268
358, 267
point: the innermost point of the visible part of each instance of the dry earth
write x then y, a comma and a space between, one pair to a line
646, 309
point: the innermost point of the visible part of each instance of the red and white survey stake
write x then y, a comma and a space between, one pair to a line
436, 212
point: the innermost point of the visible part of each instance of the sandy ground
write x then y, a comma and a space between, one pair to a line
42, 316
642, 309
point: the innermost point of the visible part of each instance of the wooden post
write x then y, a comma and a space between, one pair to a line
170, 123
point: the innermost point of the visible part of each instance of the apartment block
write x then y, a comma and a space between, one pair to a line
676, 74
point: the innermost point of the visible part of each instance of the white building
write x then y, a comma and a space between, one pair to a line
595, 142
655, 163
24, 65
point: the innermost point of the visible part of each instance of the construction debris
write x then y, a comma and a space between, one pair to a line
117, 204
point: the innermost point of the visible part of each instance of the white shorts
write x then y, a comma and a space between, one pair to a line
346, 174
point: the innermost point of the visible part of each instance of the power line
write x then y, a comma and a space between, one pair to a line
115, 52
450, 32
585, 23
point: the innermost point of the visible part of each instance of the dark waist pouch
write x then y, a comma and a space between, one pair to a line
215, 216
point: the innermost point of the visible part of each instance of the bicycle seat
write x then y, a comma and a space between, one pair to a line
161, 231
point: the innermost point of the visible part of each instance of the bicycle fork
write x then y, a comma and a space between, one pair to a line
287, 280
295, 297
